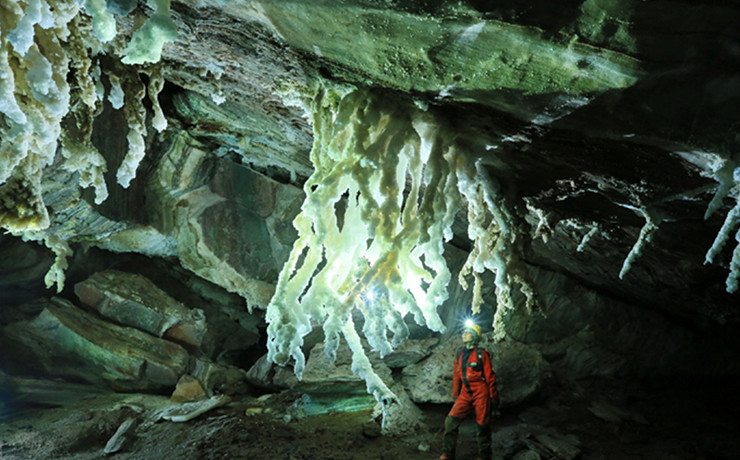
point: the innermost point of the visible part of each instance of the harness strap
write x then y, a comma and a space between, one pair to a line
464, 370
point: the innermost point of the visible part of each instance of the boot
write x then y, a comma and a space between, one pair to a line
484, 442
452, 426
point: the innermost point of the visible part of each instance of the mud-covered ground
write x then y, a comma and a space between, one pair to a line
597, 420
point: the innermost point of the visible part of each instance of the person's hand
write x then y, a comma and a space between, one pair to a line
495, 406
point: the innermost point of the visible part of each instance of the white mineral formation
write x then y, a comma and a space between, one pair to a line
388, 181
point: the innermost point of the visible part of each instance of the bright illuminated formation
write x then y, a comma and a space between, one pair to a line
378, 208
370, 233
147, 42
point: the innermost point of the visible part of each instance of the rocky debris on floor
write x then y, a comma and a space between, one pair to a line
555, 445
526, 455
266, 426
187, 411
119, 438
188, 389
219, 377
528, 442
133, 300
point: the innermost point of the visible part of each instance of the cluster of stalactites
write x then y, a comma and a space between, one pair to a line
34, 97
379, 206
494, 234
729, 183
44, 45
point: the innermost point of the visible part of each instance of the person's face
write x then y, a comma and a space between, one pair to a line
467, 336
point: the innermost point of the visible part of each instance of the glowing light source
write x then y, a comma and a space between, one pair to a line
371, 295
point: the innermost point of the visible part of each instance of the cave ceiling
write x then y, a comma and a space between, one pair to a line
593, 118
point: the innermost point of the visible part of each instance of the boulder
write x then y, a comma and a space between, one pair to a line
65, 341
401, 417
430, 380
410, 351
520, 372
133, 300
188, 389
321, 370
267, 375
220, 378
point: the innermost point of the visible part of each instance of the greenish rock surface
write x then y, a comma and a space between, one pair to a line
65, 341
469, 54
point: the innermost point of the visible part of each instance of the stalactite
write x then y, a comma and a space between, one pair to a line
55, 275
493, 232
728, 177
77, 146
587, 237
135, 113
156, 83
646, 235
147, 41
732, 278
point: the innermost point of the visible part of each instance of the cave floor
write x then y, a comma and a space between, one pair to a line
591, 422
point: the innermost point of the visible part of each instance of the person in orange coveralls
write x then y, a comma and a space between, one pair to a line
474, 390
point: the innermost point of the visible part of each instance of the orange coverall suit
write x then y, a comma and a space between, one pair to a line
474, 390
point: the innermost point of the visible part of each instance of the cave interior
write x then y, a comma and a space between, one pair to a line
268, 220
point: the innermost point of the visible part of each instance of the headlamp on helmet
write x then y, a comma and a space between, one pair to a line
473, 328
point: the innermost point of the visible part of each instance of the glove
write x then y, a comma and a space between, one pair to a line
495, 406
